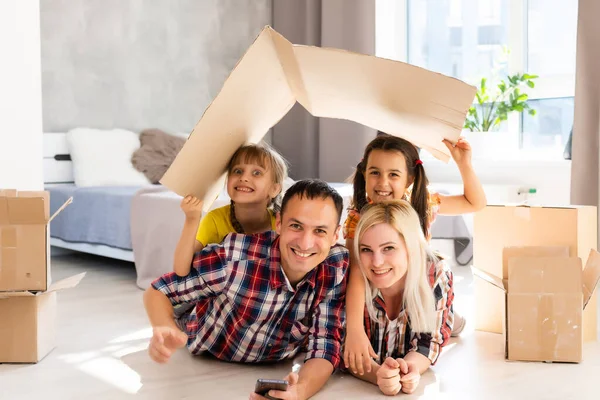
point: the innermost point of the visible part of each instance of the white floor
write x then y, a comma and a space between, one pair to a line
103, 335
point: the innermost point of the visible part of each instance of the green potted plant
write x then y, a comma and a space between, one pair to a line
493, 106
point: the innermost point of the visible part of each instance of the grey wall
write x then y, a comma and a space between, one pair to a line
136, 64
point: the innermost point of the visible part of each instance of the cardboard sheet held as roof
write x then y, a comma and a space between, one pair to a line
421, 106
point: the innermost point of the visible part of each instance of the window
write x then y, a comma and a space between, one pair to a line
468, 39
455, 37
551, 43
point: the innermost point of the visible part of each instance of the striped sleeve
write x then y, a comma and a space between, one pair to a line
327, 333
207, 277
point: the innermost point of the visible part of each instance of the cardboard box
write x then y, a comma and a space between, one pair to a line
28, 322
419, 105
545, 297
500, 226
25, 240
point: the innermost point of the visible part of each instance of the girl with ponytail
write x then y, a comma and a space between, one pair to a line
255, 176
392, 170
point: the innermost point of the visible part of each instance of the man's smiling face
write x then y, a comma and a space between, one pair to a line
307, 228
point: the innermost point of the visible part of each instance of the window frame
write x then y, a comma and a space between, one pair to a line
393, 42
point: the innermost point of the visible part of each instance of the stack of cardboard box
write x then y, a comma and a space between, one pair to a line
27, 296
543, 300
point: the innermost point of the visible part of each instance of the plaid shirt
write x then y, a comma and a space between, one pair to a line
395, 338
353, 217
245, 309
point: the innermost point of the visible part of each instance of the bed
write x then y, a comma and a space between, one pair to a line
140, 222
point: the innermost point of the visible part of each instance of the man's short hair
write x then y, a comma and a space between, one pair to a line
312, 189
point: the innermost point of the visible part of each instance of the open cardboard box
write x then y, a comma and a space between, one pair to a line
28, 322
498, 227
27, 296
25, 240
545, 295
419, 105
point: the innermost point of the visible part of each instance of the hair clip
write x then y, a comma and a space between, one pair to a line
418, 162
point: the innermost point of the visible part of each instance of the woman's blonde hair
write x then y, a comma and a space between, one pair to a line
268, 158
418, 299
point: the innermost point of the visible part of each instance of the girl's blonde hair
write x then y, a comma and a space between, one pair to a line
268, 158
418, 299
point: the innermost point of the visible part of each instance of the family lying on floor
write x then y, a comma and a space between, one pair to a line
263, 279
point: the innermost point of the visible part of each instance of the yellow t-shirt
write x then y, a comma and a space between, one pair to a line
216, 225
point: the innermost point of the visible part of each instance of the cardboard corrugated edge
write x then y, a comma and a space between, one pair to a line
66, 283
591, 275
217, 135
65, 204
490, 278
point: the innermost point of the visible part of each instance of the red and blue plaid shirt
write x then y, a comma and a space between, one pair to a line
245, 310
395, 338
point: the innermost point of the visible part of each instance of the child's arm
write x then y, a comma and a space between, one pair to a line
473, 198
188, 245
358, 352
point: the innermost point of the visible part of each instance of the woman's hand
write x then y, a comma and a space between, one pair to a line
409, 376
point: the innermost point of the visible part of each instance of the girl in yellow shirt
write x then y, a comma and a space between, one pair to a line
256, 173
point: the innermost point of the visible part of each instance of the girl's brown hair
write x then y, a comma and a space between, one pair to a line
268, 158
419, 198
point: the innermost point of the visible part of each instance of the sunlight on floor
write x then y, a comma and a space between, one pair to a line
106, 365
141, 334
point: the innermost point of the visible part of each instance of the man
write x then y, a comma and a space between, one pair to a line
264, 297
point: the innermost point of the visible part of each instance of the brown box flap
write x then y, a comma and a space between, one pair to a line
531, 251
66, 283
492, 279
43, 194
591, 275
422, 106
550, 275
65, 204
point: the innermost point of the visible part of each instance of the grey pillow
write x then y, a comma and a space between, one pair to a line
157, 151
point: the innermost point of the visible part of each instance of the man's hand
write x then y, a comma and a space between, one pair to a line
290, 394
410, 376
358, 351
192, 207
388, 377
165, 340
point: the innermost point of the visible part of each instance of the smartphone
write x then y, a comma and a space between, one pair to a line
264, 385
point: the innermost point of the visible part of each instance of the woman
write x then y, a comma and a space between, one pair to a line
409, 293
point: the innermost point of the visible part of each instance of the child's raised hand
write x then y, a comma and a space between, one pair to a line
192, 207
461, 151
358, 352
